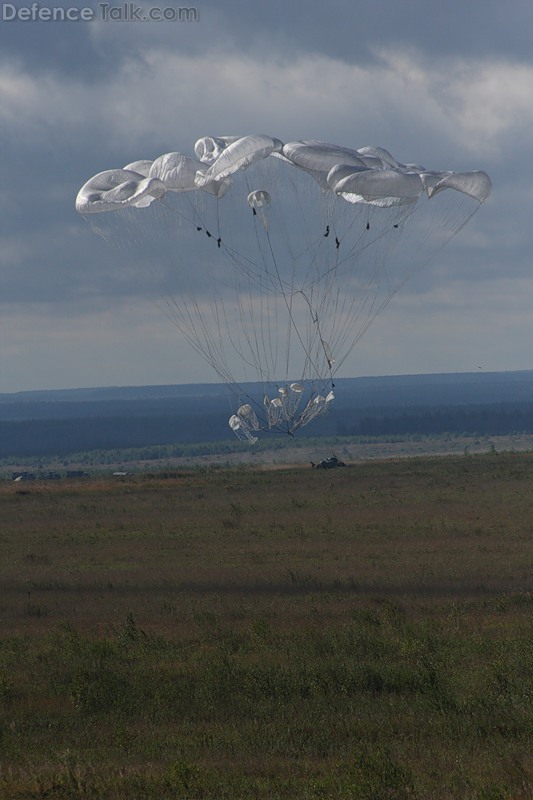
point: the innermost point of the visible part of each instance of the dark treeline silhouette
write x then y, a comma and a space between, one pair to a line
45, 437
483, 421
68, 421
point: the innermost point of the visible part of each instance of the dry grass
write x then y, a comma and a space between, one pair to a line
359, 633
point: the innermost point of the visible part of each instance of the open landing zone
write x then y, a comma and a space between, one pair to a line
241, 632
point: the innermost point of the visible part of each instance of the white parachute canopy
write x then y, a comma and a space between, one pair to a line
116, 189
275, 258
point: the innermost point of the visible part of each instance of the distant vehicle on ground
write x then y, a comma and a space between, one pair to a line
328, 463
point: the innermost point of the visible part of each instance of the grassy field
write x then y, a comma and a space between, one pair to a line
357, 634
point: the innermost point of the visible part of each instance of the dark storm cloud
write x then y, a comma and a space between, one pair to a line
447, 84
352, 31
348, 31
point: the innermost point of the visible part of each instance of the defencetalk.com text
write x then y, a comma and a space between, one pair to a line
126, 12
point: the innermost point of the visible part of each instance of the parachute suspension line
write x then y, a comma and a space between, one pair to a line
343, 316
380, 298
252, 356
457, 222
244, 265
195, 336
335, 306
343, 258
361, 244
351, 314
255, 270
284, 276
268, 346
371, 313
330, 298
219, 233
289, 310
318, 340
256, 347
452, 223
317, 246
259, 356
252, 333
366, 301
200, 338
310, 275
196, 329
212, 346
257, 362
288, 303
346, 319
289, 327
196, 221
96, 228
375, 278
318, 271
324, 345
247, 330
290, 287
247, 358
455, 228
288, 300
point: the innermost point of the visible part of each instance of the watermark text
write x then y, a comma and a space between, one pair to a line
125, 12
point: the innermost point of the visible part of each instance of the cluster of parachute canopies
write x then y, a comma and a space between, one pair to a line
365, 178
368, 175
280, 412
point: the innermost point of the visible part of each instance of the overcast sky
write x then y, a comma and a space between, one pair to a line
447, 84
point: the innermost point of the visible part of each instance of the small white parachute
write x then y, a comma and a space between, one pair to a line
241, 429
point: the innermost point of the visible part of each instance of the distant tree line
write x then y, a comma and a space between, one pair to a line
482, 421
41, 437
61, 437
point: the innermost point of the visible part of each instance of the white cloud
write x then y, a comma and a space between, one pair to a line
15, 250
460, 112
173, 97
491, 101
131, 343
17, 91
456, 327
